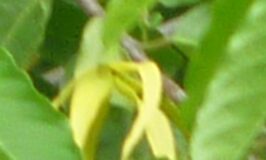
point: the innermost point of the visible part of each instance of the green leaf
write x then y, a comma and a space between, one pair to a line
226, 18
30, 128
22, 27
233, 112
114, 131
71, 2
121, 16
187, 31
154, 20
178, 3
93, 52
170, 61
63, 33
91, 49
4, 154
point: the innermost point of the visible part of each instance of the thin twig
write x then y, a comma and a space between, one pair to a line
135, 51
91, 7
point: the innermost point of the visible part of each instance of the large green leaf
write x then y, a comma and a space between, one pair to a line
22, 26
233, 112
227, 16
4, 154
29, 126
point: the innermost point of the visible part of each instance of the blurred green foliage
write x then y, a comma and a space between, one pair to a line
215, 49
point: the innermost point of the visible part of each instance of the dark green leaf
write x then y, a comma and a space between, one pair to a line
113, 134
171, 61
63, 33
177, 3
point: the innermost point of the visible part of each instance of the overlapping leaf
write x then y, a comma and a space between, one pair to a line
234, 109
22, 26
30, 127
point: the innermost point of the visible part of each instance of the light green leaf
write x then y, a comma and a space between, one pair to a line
227, 16
88, 109
92, 52
121, 16
154, 20
91, 49
30, 128
187, 31
22, 27
234, 112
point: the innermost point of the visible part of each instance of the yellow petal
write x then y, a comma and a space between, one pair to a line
87, 103
152, 88
160, 137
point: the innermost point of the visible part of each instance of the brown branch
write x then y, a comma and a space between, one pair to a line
91, 7
135, 51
